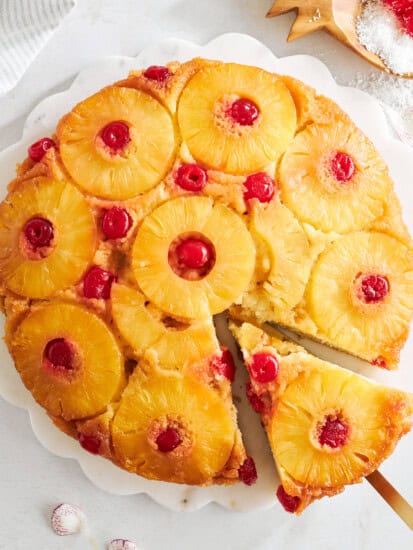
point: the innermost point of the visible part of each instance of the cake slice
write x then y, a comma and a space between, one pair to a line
327, 427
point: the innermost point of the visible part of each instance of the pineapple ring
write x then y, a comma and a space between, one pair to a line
98, 378
252, 148
209, 431
289, 253
373, 413
314, 195
366, 330
234, 262
146, 158
143, 331
74, 243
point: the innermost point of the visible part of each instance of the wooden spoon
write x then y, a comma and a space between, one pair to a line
336, 16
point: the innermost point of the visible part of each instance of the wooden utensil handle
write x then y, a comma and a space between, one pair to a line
393, 498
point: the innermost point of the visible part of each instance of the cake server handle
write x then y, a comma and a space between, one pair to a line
393, 498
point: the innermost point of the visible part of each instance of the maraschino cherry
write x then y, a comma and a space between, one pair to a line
259, 186
256, 402
248, 472
244, 111
342, 167
194, 253
38, 232
38, 149
59, 353
191, 177
116, 136
97, 283
225, 365
263, 367
380, 362
116, 223
168, 440
374, 288
157, 73
90, 443
334, 432
289, 503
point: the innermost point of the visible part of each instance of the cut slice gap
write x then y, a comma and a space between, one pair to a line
255, 440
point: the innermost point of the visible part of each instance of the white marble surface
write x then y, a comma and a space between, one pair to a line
32, 481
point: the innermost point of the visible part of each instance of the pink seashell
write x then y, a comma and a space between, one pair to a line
122, 544
67, 519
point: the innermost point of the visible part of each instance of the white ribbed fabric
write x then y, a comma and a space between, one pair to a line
25, 27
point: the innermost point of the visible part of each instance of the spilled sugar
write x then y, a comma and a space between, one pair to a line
396, 97
393, 91
379, 31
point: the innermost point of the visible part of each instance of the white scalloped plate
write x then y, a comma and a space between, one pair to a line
364, 110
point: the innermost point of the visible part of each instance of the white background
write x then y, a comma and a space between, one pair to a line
32, 481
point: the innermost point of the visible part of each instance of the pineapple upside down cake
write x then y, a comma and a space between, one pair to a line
174, 195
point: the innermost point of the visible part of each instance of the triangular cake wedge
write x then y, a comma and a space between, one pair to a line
327, 427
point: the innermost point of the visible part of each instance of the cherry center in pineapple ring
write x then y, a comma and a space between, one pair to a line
225, 365
259, 186
333, 432
97, 283
373, 288
244, 111
116, 223
157, 73
248, 472
168, 440
58, 353
115, 135
38, 149
191, 177
90, 443
193, 253
290, 503
342, 167
38, 232
263, 367
191, 256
